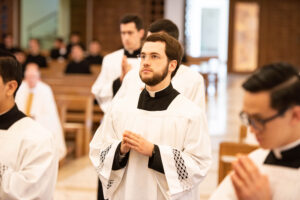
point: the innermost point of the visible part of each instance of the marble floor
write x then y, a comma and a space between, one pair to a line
77, 179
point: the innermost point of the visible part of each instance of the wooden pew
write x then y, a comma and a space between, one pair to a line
227, 154
76, 113
70, 80
96, 69
55, 68
75, 85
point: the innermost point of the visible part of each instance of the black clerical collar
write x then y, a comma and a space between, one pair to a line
289, 158
133, 55
160, 102
9, 118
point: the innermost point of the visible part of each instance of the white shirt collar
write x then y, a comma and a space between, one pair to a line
152, 93
277, 151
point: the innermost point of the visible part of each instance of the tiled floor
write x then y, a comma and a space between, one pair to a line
77, 180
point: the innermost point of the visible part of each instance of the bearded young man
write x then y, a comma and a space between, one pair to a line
153, 145
186, 81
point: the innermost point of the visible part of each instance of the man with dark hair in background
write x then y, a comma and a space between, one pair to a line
116, 64
272, 110
28, 162
155, 144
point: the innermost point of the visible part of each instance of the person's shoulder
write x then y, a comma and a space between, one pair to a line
186, 72
125, 102
31, 130
184, 106
23, 86
132, 74
258, 156
114, 54
71, 63
42, 86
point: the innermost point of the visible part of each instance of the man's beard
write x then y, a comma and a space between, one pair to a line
157, 78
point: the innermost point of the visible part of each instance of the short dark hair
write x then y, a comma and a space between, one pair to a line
174, 50
283, 82
132, 18
165, 25
10, 68
75, 33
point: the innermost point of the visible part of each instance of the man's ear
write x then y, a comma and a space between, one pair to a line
295, 115
11, 87
172, 65
141, 32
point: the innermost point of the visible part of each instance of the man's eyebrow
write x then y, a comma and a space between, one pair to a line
152, 53
256, 115
126, 31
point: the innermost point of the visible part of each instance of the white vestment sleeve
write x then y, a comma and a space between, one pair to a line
225, 190
186, 168
198, 93
36, 176
102, 152
102, 88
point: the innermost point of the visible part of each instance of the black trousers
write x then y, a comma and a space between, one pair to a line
100, 195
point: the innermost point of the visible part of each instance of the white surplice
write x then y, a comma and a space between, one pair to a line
44, 111
28, 164
186, 81
284, 181
182, 137
111, 70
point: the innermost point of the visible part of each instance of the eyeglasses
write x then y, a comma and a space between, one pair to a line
256, 123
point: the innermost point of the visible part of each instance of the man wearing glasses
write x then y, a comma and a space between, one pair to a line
272, 110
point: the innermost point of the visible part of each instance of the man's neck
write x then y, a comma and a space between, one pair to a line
133, 49
152, 93
295, 136
6, 106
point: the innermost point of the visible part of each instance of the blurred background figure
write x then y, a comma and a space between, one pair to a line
74, 40
78, 64
35, 99
59, 50
34, 54
21, 57
94, 57
8, 43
